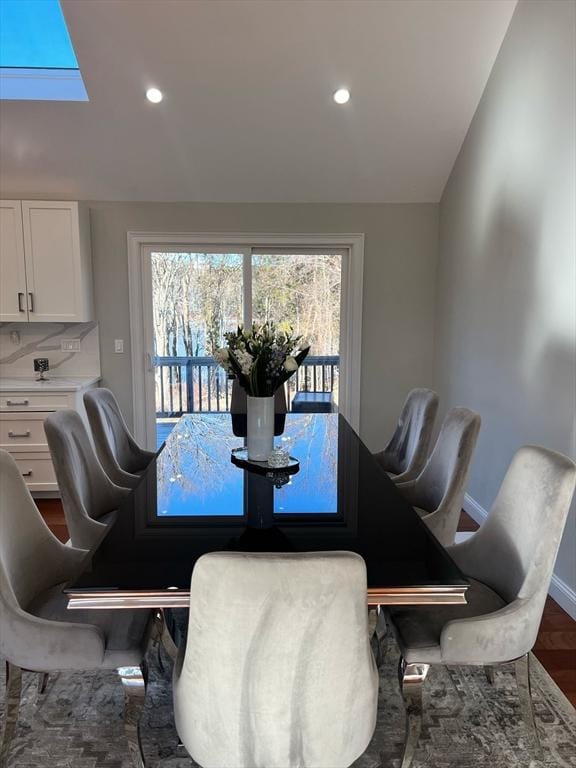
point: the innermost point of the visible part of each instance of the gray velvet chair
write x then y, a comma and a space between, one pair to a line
120, 455
509, 562
284, 676
405, 455
438, 491
37, 632
89, 497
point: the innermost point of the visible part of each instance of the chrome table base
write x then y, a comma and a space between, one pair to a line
134, 680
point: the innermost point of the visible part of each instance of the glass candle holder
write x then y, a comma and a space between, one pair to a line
279, 457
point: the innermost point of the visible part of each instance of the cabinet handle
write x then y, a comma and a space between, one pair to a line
19, 434
30, 302
17, 402
20, 297
27, 474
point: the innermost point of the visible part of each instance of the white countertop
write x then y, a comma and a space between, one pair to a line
54, 384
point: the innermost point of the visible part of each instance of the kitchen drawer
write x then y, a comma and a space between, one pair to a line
23, 431
35, 401
36, 469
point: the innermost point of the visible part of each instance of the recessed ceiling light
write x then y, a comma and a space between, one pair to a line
342, 96
154, 95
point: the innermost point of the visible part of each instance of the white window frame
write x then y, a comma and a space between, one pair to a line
139, 245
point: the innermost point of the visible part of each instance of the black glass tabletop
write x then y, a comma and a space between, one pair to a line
197, 497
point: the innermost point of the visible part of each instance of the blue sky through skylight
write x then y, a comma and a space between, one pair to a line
37, 59
33, 33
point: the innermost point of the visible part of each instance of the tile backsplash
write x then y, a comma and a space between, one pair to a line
44, 340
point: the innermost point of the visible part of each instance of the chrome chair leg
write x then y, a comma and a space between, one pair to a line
12, 709
522, 670
166, 637
134, 680
156, 637
378, 637
42, 682
372, 620
161, 637
412, 677
489, 672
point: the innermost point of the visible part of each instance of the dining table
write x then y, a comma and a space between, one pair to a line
198, 495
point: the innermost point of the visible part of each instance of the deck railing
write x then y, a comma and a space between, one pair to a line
198, 384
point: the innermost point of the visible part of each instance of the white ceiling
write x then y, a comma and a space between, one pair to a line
248, 114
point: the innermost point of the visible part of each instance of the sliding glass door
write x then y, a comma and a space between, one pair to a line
193, 295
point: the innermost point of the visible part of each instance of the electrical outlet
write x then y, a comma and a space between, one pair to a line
15, 337
119, 346
70, 345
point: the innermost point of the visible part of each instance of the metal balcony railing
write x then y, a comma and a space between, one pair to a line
199, 385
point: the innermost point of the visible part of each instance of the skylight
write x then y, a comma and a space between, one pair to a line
37, 59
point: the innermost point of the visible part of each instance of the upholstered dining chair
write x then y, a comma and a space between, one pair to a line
438, 491
90, 499
284, 677
509, 562
405, 455
38, 633
122, 458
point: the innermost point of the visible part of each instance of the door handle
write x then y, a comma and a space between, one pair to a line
149, 362
19, 434
30, 301
17, 402
27, 474
20, 297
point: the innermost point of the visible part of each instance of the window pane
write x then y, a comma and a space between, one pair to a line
303, 290
197, 297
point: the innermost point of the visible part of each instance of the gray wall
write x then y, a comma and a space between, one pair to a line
399, 277
506, 303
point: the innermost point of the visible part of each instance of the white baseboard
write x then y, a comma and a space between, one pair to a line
474, 509
564, 595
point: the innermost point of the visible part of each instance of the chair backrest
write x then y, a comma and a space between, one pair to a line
278, 670
407, 451
29, 552
85, 488
515, 549
441, 485
115, 446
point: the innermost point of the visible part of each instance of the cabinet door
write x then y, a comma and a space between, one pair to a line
54, 262
12, 271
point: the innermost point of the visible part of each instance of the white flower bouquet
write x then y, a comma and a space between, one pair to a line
263, 358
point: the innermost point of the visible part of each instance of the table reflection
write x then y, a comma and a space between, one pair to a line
195, 477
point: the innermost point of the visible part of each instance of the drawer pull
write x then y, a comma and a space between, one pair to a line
27, 474
17, 402
19, 434
20, 297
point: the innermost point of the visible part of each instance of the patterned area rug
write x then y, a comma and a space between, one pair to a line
468, 723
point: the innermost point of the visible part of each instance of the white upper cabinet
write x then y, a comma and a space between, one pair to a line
12, 270
54, 261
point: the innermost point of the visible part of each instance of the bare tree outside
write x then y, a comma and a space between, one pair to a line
303, 290
197, 298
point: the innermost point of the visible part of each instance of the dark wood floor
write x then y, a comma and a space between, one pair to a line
555, 646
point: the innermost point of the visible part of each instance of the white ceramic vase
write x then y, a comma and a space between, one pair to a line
260, 427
